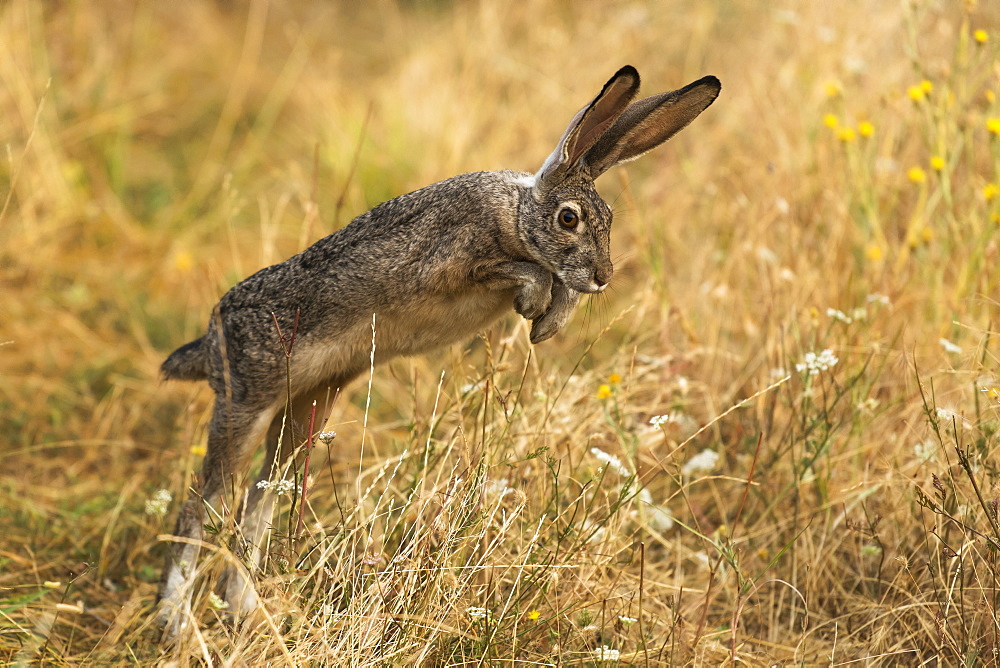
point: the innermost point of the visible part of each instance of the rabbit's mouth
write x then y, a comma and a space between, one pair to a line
592, 286
597, 287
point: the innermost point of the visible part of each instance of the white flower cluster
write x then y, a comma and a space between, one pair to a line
476, 613
279, 487
660, 420
703, 462
498, 488
159, 503
950, 347
611, 462
605, 653
925, 451
813, 363
948, 417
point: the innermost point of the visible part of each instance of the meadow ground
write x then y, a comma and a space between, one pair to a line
771, 442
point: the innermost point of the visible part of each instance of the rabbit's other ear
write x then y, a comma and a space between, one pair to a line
648, 123
591, 123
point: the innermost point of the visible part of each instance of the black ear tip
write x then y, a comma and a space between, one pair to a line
711, 82
627, 71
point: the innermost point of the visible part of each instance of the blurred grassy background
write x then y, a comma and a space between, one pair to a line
156, 153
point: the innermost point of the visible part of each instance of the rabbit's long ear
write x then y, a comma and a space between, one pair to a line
591, 123
648, 123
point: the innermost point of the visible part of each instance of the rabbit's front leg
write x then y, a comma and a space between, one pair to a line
534, 285
564, 301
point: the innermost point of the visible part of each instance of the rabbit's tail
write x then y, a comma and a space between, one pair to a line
189, 362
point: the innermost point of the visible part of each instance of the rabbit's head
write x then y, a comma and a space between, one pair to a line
564, 223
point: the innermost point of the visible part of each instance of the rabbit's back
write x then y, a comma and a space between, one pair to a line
408, 262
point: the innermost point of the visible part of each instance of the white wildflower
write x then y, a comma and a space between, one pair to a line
660, 420
837, 314
497, 488
869, 405
327, 436
948, 416
880, 299
645, 496
477, 613
859, 313
279, 487
766, 255
159, 503
659, 518
703, 462
813, 363
627, 620
611, 461
949, 347
925, 451
605, 653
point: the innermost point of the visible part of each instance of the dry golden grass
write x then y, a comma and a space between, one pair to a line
155, 153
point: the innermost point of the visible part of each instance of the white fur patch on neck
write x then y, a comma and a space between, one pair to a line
526, 180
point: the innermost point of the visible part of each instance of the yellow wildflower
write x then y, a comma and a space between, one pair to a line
533, 615
991, 97
847, 135
990, 190
832, 88
866, 129
874, 252
926, 86
916, 175
831, 121
937, 163
981, 36
198, 450
183, 262
926, 234
993, 125
614, 379
604, 391
916, 93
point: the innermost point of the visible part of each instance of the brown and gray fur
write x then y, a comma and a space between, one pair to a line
432, 267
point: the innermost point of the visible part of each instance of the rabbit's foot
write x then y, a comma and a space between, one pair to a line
564, 301
531, 283
534, 297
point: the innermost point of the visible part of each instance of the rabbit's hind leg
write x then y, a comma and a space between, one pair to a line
232, 432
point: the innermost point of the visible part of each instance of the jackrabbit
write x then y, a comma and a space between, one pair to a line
431, 267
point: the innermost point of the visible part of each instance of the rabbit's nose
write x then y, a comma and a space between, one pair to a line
602, 277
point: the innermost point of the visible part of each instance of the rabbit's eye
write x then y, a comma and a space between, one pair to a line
568, 218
